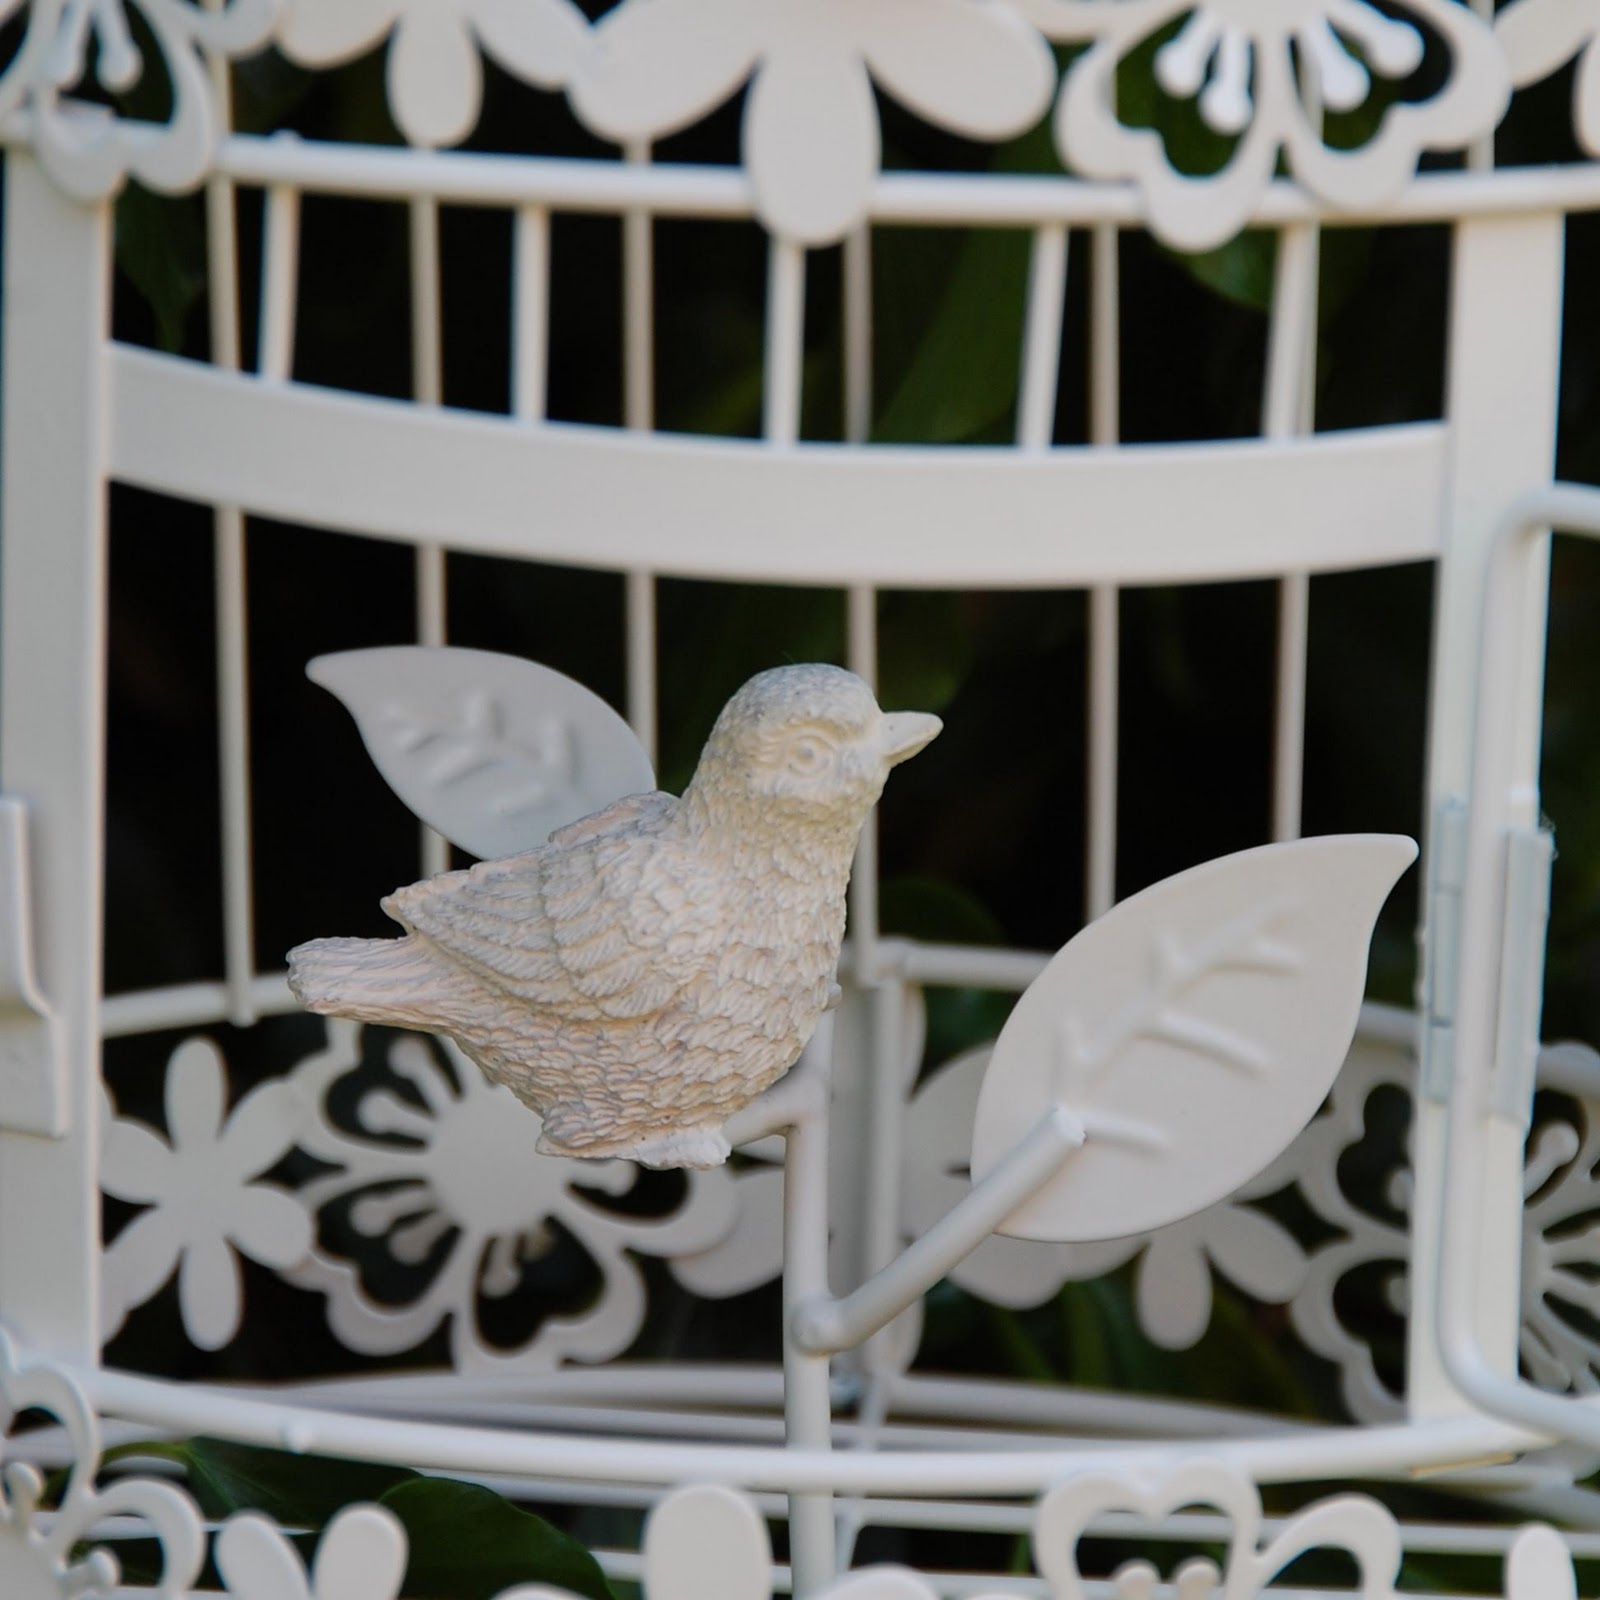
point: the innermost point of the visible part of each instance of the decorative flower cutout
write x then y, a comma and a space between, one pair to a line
1561, 1242
46, 1562
88, 150
360, 1556
1538, 36
1349, 1522
1560, 1233
704, 1529
435, 79
1368, 1241
1237, 60
1538, 1566
811, 139
203, 1204
443, 1177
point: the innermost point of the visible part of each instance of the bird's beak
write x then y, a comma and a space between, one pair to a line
903, 733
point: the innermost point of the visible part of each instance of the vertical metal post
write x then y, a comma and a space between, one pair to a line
1041, 338
530, 312
808, 1408
1287, 411
807, 1403
232, 610
427, 385
639, 413
1505, 346
1105, 428
873, 1191
856, 273
52, 722
280, 271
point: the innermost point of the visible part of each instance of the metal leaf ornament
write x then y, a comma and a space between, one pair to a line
494, 751
1194, 1030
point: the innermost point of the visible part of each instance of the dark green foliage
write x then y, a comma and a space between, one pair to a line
295, 1490
468, 1543
465, 1542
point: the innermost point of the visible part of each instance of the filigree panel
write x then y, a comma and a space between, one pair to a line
1352, 1523
428, 1169
1541, 36
426, 1179
435, 77
1347, 1295
1261, 76
53, 1557
1263, 80
435, 1168
811, 140
361, 1555
73, 46
204, 1207
1372, 1239
1561, 1242
1559, 1344
692, 1522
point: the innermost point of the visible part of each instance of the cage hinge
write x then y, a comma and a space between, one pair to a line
1529, 854
33, 1062
1447, 876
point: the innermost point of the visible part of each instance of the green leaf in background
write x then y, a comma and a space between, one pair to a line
939, 911
722, 635
267, 88
961, 386
468, 1543
161, 247
1192, 145
1089, 1356
931, 908
1240, 270
297, 1491
925, 650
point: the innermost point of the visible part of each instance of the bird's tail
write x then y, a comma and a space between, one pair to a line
401, 982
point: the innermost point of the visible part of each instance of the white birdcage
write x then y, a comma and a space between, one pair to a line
423, 1157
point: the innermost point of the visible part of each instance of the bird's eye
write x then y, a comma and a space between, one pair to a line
809, 757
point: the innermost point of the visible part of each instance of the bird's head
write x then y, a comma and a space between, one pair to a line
807, 744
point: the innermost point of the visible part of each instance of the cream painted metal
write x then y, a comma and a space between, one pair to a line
1369, 498
867, 1441
50, 748
494, 752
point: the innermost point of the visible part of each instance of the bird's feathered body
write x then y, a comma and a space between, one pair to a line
653, 967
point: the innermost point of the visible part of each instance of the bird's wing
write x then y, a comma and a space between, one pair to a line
608, 921
620, 814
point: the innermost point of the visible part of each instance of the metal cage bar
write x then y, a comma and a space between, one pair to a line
1105, 404
427, 384
639, 409
530, 313
1291, 365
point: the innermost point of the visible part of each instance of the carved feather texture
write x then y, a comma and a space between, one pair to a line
655, 966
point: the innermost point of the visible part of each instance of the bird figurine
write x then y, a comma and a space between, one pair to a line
657, 965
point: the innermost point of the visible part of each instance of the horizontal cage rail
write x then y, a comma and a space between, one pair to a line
811, 514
